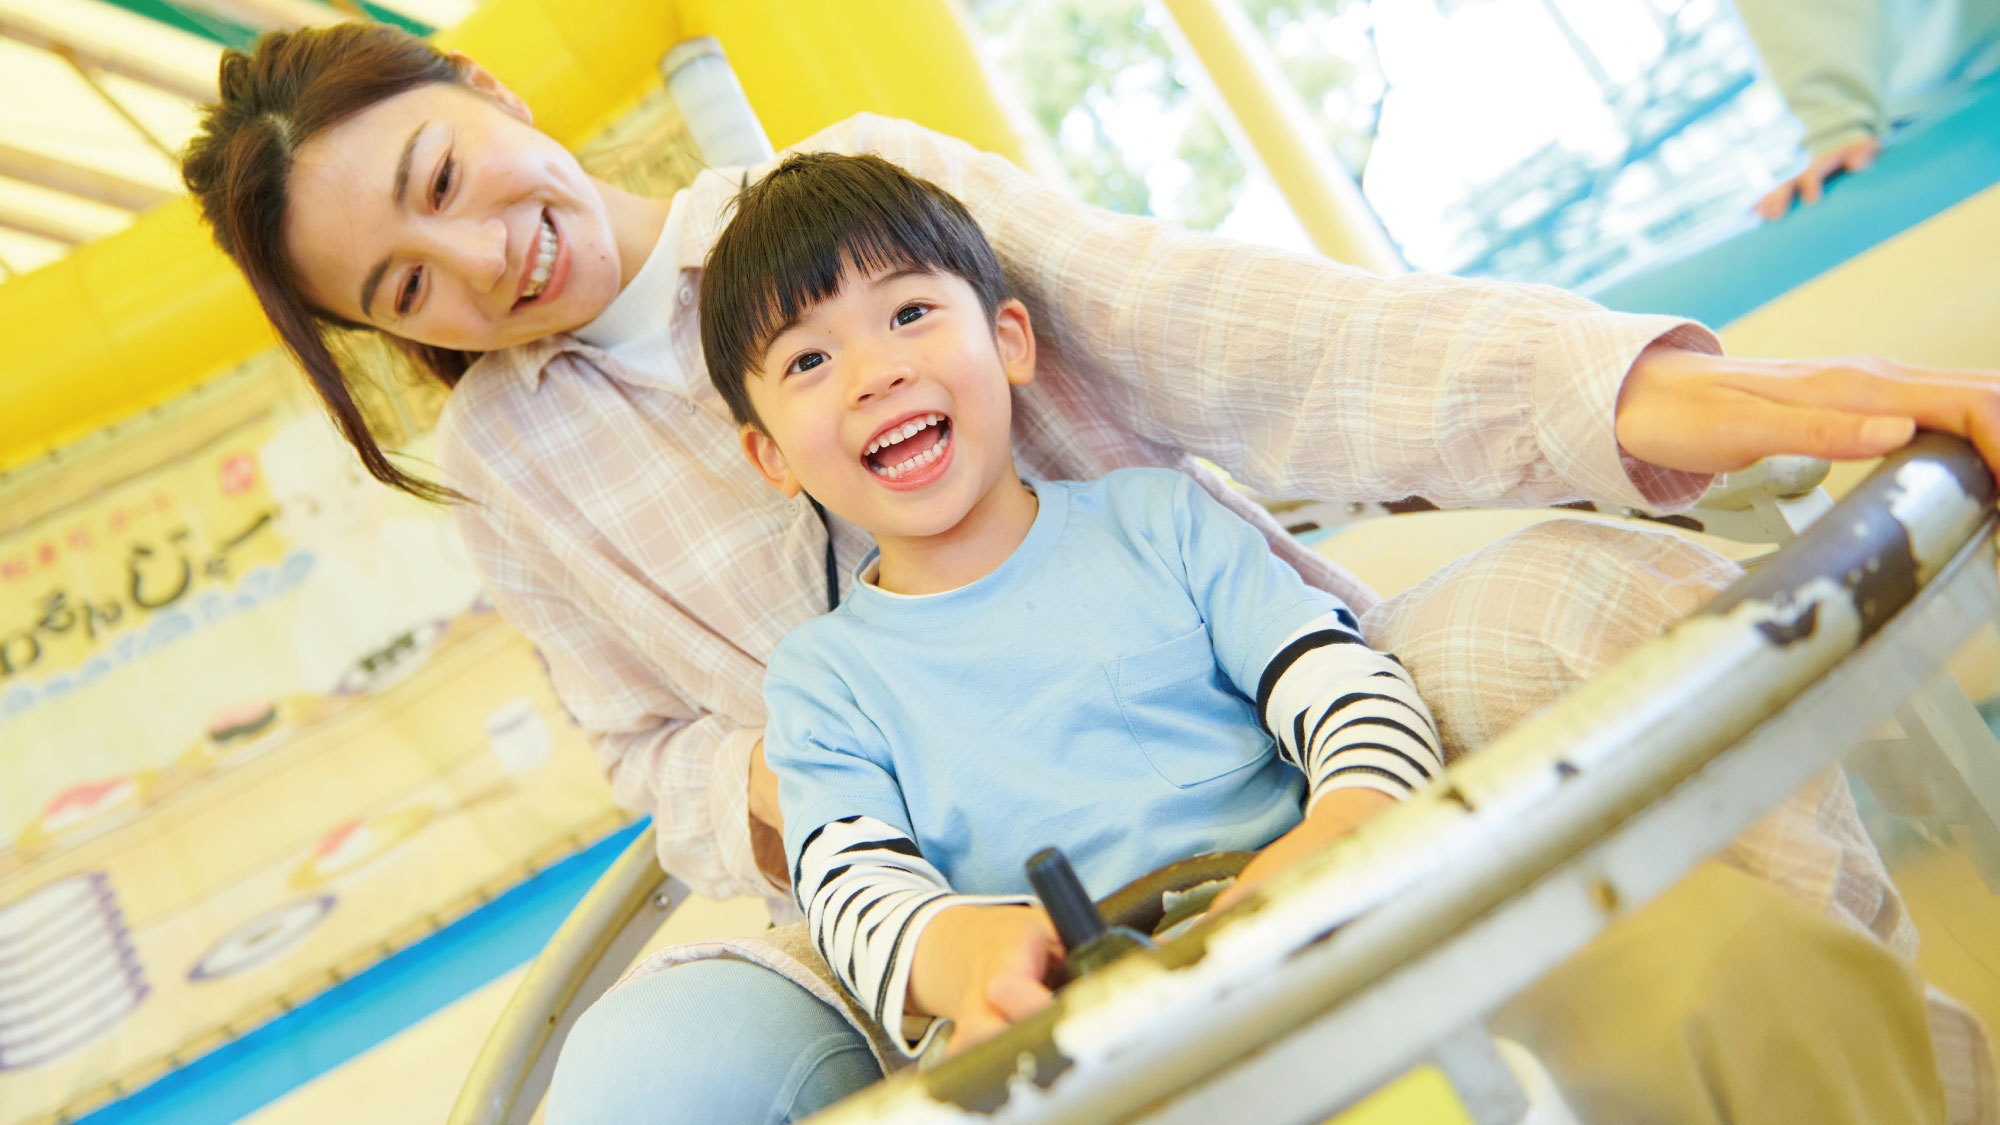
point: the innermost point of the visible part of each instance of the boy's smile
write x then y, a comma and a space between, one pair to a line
889, 403
910, 453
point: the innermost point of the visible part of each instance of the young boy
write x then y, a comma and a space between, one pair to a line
1120, 668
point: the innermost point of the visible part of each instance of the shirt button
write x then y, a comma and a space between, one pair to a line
687, 405
687, 294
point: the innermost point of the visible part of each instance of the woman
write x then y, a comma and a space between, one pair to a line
360, 179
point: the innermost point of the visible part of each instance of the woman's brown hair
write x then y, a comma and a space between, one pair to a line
289, 89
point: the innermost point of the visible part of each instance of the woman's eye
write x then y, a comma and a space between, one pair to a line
407, 295
443, 185
910, 314
806, 362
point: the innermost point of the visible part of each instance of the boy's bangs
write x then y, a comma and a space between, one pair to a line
807, 271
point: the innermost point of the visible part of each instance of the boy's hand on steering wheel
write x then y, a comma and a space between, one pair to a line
1716, 414
1337, 814
984, 967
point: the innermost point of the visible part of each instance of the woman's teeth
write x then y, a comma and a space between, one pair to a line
545, 260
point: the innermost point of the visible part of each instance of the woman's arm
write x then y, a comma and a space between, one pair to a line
690, 770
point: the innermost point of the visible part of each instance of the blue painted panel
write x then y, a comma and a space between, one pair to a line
240, 1077
1928, 168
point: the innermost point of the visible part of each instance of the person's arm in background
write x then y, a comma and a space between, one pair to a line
691, 771
1304, 377
1831, 60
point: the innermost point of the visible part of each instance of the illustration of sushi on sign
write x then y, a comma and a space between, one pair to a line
68, 971
386, 582
87, 808
241, 731
263, 939
357, 844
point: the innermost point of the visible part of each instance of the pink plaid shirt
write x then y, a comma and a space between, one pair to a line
616, 522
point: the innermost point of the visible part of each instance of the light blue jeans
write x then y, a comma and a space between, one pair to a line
707, 1043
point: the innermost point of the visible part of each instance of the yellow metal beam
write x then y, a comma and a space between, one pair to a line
95, 81
51, 227
38, 28
96, 185
807, 66
270, 15
1269, 115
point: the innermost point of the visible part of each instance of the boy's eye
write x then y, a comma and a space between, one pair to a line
806, 362
909, 314
407, 295
443, 185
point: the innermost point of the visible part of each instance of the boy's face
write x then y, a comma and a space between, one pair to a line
889, 403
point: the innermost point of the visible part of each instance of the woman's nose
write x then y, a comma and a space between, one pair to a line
476, 250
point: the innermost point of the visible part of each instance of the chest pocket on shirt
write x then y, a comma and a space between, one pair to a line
1180, 710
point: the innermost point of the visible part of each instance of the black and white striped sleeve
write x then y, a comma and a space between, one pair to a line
868, 893
1345, 714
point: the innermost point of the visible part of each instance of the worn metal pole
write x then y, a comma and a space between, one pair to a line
1266, 112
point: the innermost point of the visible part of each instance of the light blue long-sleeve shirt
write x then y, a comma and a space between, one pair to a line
1105, 690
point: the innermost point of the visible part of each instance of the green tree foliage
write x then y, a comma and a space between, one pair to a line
1100, 78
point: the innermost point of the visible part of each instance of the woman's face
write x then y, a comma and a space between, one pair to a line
442, 216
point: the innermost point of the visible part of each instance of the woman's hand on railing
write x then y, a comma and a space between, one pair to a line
1716, 414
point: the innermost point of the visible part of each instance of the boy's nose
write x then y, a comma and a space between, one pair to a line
878, 379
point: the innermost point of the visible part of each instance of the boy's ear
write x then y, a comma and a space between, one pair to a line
1014, 335
482, 80
768, 459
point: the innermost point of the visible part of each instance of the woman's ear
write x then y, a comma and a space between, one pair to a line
768, 459
1014, 336
482, 80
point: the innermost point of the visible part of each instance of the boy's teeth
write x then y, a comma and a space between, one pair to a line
898, 471
904, 432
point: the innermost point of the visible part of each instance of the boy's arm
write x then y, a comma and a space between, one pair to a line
1346, 715
869, 895
904, 944
1349, 717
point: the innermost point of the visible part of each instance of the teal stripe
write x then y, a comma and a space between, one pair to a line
215, 29
1928, 168
241, 1077
396, 19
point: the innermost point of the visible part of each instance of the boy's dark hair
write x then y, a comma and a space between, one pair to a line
797, 231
